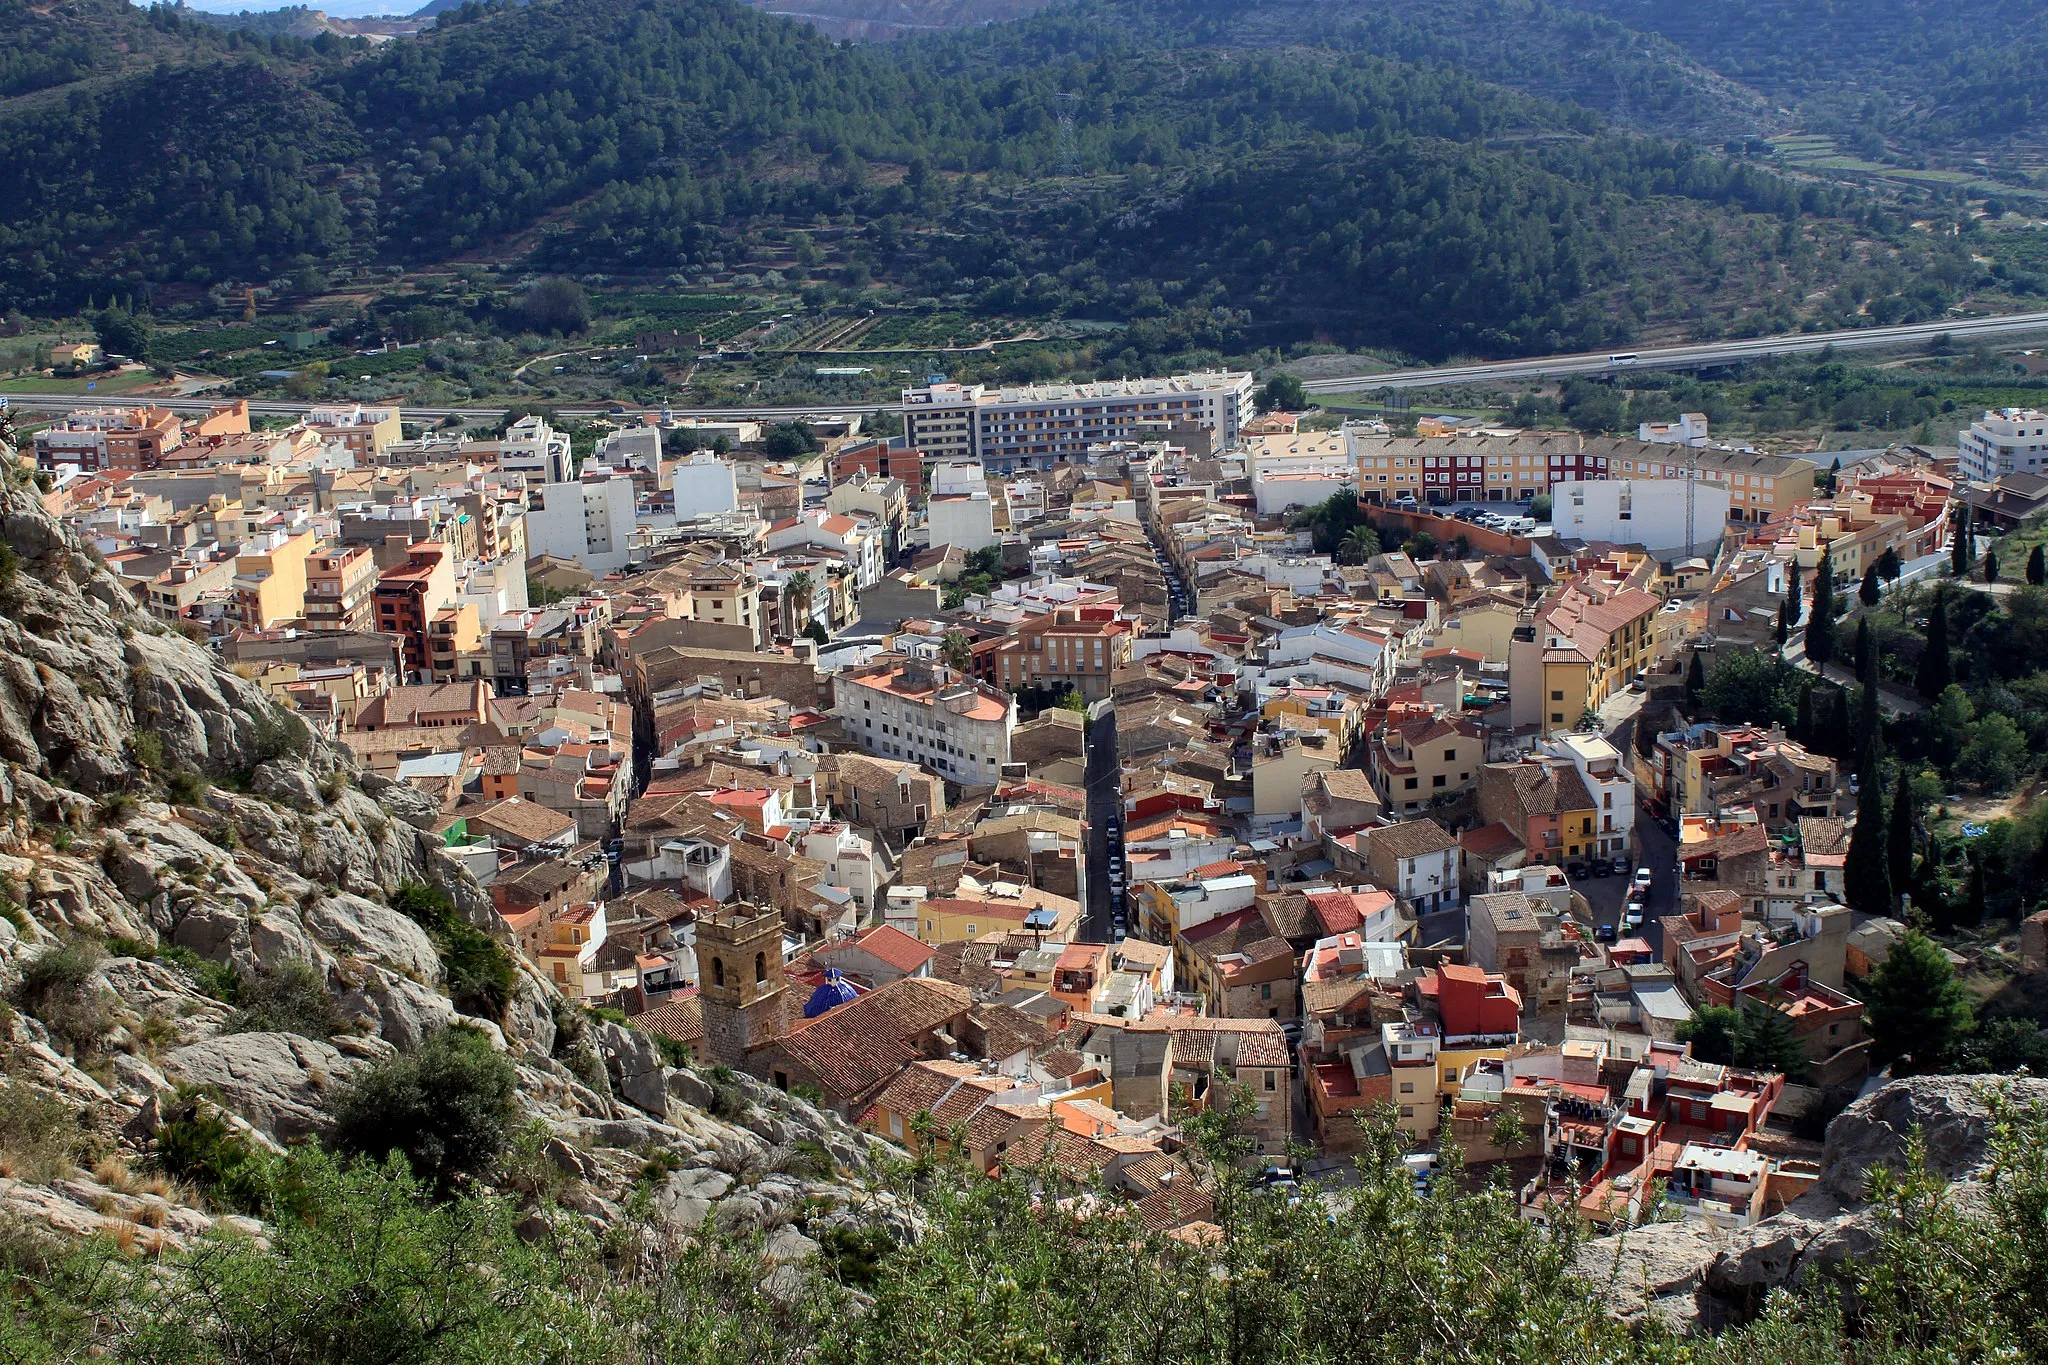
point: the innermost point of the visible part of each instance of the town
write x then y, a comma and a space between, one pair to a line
1091, 756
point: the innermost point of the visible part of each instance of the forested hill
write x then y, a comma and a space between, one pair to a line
1279, 194
1926, 72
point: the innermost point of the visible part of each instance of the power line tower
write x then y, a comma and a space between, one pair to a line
1066, 105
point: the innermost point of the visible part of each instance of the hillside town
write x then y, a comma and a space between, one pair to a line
1036, 779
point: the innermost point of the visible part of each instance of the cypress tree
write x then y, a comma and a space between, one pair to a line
1795, 596
1866, 654
1959, 544
1899, 837
1933, 678
1991, 566
1888, 566
1870, 592
1695, 682
1820, 618
1866, 873
2037, 567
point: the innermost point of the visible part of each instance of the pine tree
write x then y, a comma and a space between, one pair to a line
1991, 566
1766, 1041
1917, 1009
2037, 567
1695, 682
1899, 837
1820, 618
1933, 677
1870, 592
1866, 873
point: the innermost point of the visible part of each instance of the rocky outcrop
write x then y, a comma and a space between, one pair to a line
1689, 1276
281, 1083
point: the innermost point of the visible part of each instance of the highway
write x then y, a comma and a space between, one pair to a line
1686, 357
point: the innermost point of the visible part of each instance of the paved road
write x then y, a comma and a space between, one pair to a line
1683, 357
1104, 784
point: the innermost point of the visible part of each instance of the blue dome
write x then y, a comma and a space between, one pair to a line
834, 990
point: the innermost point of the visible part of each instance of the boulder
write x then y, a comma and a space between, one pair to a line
362, 928
686, 1087
401, 1012
634, 1064
288, 781
401, 800
281, 1083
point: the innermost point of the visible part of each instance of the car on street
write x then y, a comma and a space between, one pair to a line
1643, 878
1576, 871
1603, 867
1603, 933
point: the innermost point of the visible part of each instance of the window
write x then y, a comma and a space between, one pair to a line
782, 1080
1409, 784
1407, 1087
1450, 755
1437, 781
1557, 696
760, 967
1269, 1080
717, 971
1557, 717
1266, 991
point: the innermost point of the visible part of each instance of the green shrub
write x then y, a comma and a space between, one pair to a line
195, 1143
187, 788
40, 1135
447, 1108
57, 987
279, 733
479, 970
291, 997
115, 807
148, 750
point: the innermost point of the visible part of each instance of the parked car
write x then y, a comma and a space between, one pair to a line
1604, 867
1576, 871
1643, 878
1604, 933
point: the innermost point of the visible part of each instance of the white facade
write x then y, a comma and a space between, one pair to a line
535, 449
927, 714
704, 486
1036, 426
1689, 430
2007, 441
590, 521
1299, 470
1645, 512
633, 448
850, 859
964, 519
1607, 777
497, 589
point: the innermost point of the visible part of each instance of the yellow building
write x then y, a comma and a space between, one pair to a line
270, 579
1002, 908
1591, 639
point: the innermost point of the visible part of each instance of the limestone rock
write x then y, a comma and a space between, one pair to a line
281, 1083
401, 1012
634, 1064
362, 928
287, 780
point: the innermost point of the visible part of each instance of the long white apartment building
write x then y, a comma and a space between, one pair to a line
2001, 442
915, 709
1036, 426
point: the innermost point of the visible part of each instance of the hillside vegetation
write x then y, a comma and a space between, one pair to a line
1271, 196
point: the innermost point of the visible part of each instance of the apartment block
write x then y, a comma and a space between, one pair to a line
2003, 441
341, 590
912, 709
1036, 426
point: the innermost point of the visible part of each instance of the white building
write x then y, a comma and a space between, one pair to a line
1300, 469
496, 589
926, 713
1689, 430
704, 486
1036, 426
535, 449
856, 540
850, 861
967, 520
1613, 788
1646, 512
2008, 441
590, 521
633, 448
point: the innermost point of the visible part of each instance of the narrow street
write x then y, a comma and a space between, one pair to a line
1105, 871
